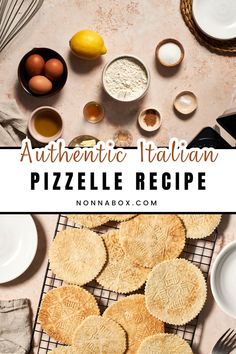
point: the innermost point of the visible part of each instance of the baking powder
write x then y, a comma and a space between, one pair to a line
126, 79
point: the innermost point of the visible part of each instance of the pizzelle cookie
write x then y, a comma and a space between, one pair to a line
71, 258
63, 309
95, 220
200, 225
163, 344
120, 274
151, 239
64, 350
89, 220
121, 217
131, 313
100, 335
175, 291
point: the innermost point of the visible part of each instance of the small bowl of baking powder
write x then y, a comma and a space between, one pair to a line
126, 78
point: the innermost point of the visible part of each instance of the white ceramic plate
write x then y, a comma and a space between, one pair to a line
223, 284
217, 18
18, 245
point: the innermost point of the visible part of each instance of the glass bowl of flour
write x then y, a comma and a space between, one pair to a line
126, 78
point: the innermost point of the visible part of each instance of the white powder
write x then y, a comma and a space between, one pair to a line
126, 79
186, 100
169, 53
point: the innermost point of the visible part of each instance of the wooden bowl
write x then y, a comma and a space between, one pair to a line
143, 123
37, 135
187, 108
170, 40
47, 54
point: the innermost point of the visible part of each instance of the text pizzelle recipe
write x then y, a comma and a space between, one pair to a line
56, 152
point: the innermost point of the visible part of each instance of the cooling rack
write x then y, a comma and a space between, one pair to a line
199, 252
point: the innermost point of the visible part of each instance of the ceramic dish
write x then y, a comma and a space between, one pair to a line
47, 110
217, 19
18, 245
47, 54
223, 283
141, 64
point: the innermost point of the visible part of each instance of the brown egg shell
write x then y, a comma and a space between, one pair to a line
40, 85
34, 65
47, 54
53, 69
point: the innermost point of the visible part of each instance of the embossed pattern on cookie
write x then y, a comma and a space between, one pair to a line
200, 225
100, 335
175, 291
120, 274
71, 258
89, 220
151, 239
63, 309
132, 315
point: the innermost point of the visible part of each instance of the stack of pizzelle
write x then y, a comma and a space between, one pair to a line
143, 249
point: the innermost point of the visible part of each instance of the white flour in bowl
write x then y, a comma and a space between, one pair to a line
126, 79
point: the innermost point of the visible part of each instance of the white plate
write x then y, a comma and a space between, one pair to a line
18, 245
217, 18
223, 284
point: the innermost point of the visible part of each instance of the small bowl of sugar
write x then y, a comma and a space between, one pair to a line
170, 52
126, 78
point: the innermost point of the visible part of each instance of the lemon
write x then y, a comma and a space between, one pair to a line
87, 45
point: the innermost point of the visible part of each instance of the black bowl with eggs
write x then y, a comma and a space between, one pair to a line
42, 72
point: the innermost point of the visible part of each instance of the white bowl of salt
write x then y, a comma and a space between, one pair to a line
170, 52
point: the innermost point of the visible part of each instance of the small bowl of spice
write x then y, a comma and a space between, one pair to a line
170, 52
126, 78
149, 119
186, 102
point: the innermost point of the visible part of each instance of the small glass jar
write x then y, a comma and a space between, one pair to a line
93, 112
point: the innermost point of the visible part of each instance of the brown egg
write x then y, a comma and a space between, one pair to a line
34, 65
40, 85
54, 69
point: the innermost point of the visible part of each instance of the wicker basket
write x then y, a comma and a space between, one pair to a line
225, 47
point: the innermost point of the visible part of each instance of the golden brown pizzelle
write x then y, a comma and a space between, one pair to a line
121, 217
64, 350
100, 335
131, 313
200, 225
71, 258
94, 220
164, 344
151, 239
63, 309
175, 291
89, 220
120, 274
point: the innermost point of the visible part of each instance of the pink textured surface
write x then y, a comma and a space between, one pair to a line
128, 26
133, 27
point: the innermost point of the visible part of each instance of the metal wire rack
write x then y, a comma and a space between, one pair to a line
199, 252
